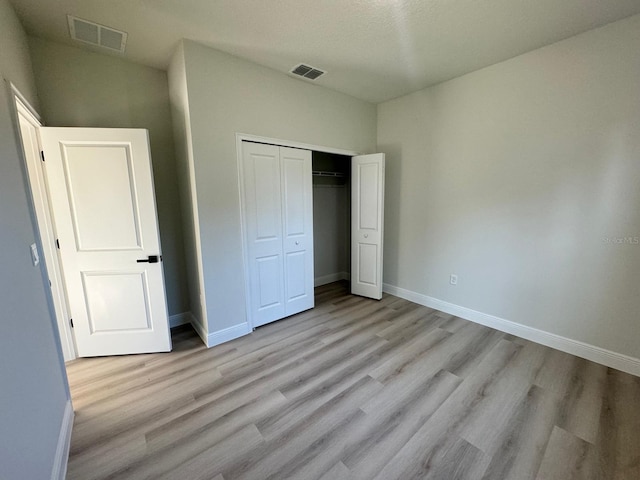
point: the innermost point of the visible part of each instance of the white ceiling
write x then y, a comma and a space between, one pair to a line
372, 49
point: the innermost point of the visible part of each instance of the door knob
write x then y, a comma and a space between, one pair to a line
366, 235
150, 259
297, 242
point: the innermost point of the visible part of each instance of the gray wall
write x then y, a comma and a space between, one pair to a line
184, 158
79, 88
229, 95
34, 391
331, 231
514, 177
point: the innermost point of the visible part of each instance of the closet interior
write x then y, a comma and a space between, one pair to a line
331, 217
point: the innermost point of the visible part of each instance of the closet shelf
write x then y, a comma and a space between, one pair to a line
319, 173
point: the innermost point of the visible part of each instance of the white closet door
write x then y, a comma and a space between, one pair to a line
263, 223
278, 220
101, 190
367, 222
297, 209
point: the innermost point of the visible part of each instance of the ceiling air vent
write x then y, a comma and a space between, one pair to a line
307, 71
98, 35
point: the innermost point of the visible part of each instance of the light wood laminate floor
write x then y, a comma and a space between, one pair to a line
355, 389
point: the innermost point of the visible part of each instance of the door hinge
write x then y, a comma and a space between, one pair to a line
71, 322
58, 243
42, 155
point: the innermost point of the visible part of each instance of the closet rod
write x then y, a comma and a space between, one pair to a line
319, 173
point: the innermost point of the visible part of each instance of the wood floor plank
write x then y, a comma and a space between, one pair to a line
433, 357
518, 452
208, 463
452, 324
568, 457
619, 426
501, 399
458, 459
220, 417
291, 443
465, 360
100, 461
354, 389
121, 385
337, 472
433, 435
581, 386
303, 401
414, 349
394, 417
125, 413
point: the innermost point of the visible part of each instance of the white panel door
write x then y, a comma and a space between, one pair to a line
297, 210
278, 222
103, 202
263, 225
367, 224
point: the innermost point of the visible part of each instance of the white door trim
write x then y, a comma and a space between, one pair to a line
246, 137
25, 103
52, 265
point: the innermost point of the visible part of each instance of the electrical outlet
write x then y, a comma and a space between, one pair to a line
453, 279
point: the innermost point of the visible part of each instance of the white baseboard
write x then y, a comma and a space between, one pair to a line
179, 319
221, 336
227, 334
59, 470
332, 277
599, 355
199, 328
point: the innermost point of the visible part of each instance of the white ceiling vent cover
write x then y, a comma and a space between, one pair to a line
307, 71
98, 35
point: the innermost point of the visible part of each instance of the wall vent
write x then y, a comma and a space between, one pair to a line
307, 71
98, 35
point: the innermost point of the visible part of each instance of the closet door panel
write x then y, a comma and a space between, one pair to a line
263, 223
295, 266
293, 170
297, 207
270, 293
367, 224
267, 198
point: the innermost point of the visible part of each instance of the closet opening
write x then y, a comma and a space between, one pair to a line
309, 217
331, 217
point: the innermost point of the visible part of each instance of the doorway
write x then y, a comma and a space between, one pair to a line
29, 124
331, 217
366, 219
92, 191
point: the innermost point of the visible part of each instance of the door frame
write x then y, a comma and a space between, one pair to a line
246, 137
63, 328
